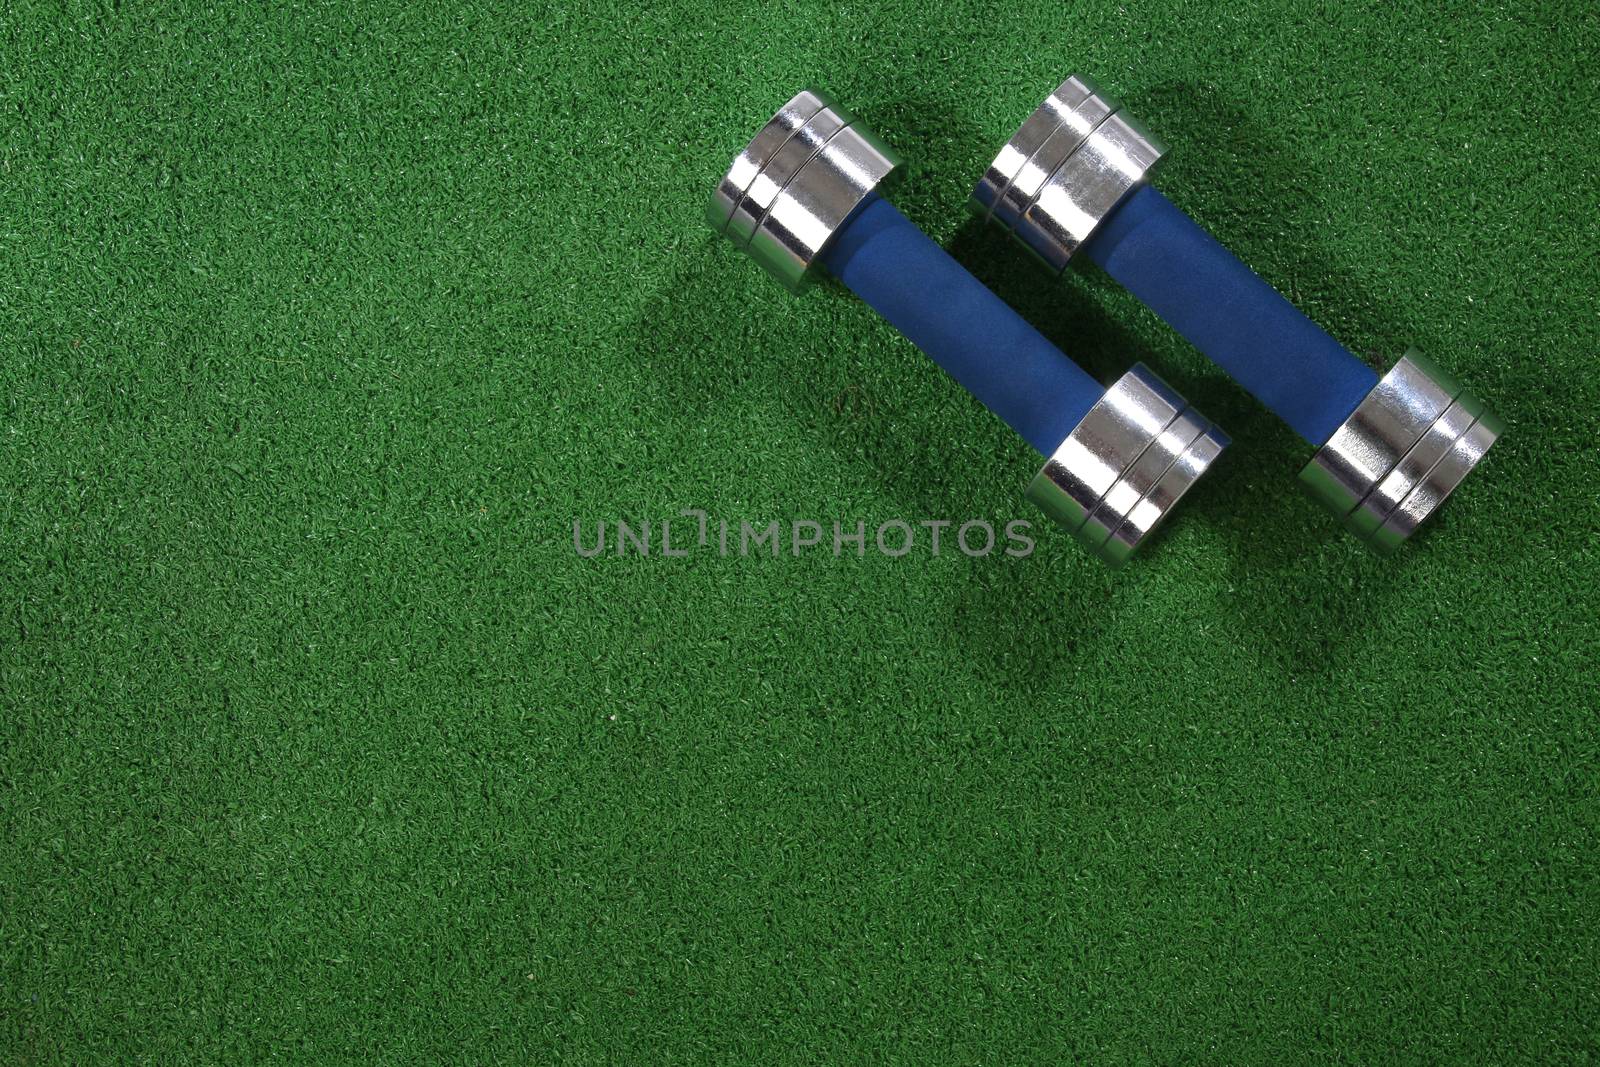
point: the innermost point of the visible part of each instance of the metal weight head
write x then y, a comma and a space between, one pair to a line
1407, 445
1065, 170
1125, 466
797, 183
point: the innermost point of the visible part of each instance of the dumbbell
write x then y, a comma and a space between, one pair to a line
807, 192
1388, 451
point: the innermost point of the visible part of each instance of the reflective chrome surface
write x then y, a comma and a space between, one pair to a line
796, 184
1401, 452
1122, 468
1051, 133
748, 163
1072, 162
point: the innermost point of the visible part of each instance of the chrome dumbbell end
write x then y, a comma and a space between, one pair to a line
797, 183
1065, 171
1126, 465
1408, 444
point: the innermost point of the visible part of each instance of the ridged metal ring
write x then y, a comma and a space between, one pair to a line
797, 183
753, 158
1067, 168
1126, 464
1407, 445
1052, 133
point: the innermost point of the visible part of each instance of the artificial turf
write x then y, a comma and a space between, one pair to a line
320, 742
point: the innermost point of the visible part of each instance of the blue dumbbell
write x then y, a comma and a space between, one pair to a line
1389, 450
807, 191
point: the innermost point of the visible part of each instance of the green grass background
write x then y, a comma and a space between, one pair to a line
321, 325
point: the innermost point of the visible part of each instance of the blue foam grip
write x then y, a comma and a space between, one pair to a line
965, 328
1243, 324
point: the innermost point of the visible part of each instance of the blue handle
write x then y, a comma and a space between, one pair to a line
965, 328
1243, 324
